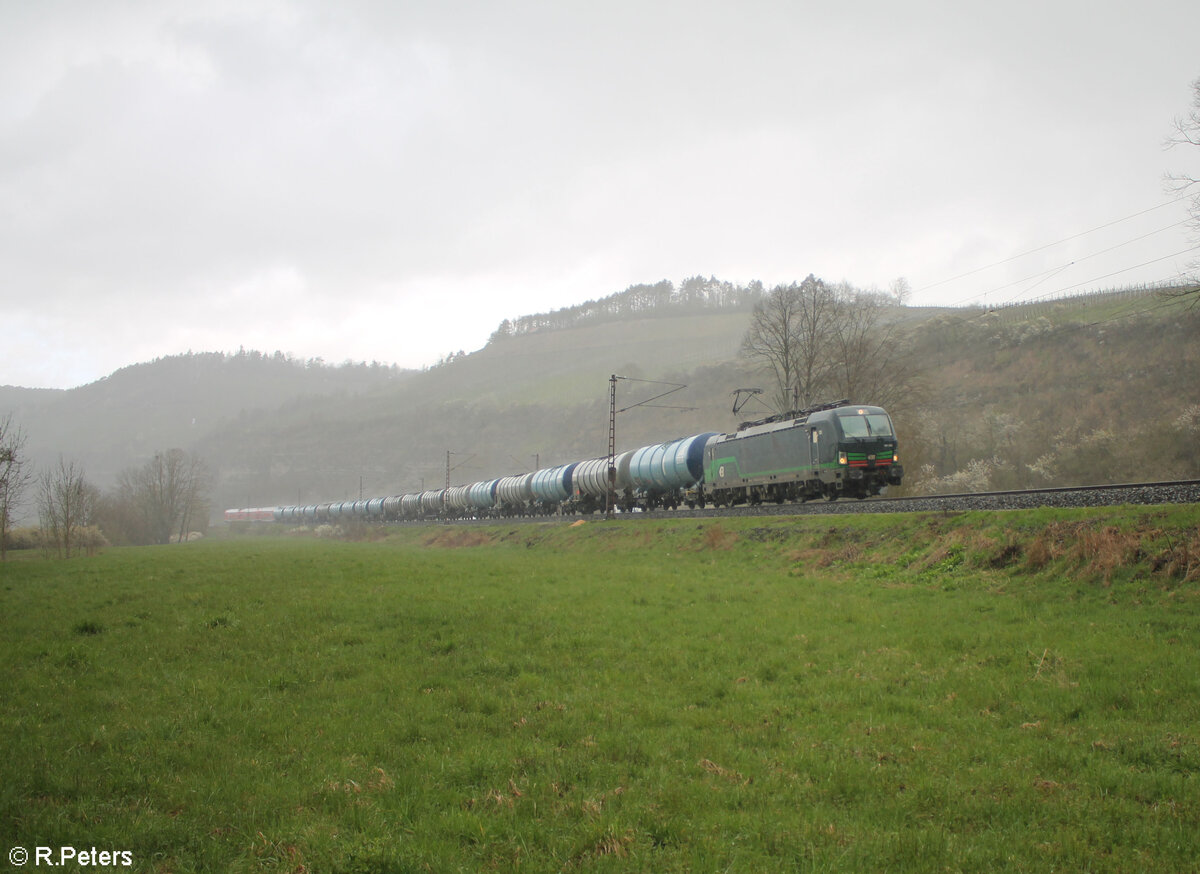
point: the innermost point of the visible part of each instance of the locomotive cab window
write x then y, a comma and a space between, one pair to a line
868, 425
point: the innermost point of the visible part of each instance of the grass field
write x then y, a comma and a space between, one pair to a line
981, 692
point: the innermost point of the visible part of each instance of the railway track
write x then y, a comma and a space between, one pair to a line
1174, 492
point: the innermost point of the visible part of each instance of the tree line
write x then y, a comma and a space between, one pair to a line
694, 293
157, 502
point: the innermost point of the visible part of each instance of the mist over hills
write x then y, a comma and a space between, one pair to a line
1095, 389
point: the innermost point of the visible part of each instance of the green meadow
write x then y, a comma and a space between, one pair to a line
978, 692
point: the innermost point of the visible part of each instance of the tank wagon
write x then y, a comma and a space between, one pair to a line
831, 451
252, 514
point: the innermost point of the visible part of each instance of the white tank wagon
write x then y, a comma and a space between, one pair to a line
514, 494
410, 506
458, 500
433, 502
592, 488
591, 477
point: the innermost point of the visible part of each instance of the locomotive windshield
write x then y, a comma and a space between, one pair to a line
868, 425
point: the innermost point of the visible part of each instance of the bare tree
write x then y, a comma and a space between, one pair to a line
65, 502
901, 290
822, 342
1187, 133
870, 359
789, 334
164, 495
15, 477
773, 340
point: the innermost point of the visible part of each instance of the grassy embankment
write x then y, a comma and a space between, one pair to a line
982, 692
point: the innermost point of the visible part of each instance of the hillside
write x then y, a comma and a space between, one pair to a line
1096, 389
540, 398
1093, 390
120, 421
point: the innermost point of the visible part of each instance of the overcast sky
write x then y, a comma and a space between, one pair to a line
388, 180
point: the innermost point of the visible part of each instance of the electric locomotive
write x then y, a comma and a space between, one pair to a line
830, 451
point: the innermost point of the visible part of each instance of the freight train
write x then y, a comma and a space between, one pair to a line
830, 451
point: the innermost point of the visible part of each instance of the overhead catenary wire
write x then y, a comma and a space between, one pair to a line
1066, 288
675, 386
1045, 246
1051, 272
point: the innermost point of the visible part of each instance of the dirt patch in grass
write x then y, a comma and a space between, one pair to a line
718, 537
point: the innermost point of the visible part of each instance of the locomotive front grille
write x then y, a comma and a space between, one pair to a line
882, 458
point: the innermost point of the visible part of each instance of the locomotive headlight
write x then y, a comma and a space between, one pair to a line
842, 458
